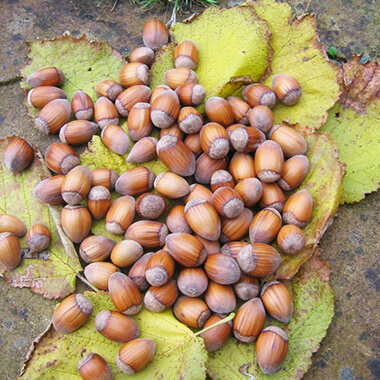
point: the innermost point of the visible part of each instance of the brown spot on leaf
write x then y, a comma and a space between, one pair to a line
244, 368
51, 364
316, 265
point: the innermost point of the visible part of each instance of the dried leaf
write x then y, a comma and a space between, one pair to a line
355, 126
359, 83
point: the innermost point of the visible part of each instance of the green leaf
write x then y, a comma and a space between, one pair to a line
163, 61
313, 311
178, 353
83, 62
98, 227
324, 183
233, 49
51, 273
354, 124
97, 155
333, 51
298, 52
358, 139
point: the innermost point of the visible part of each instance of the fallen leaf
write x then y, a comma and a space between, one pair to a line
233, 50
298, 52
163, 61
324, 183
98, 227
97, 155
359, 84
51, 273
178, 353
313, 311
354, 123
83, 62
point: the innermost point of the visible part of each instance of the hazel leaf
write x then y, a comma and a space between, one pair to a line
354, 124
298, 52
359, 83
84, 63
228, 59
358, 139
312, 314
324, 183
97, 155
179, 354
163, 62
52, 272
98, 227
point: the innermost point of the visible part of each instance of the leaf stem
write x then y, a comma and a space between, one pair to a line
224, 320
87, 282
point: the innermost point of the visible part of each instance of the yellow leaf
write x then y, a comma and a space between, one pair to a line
233, 50
298, 52
179, 354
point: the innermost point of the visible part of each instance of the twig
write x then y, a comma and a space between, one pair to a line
114, 5
173, 18
307, 6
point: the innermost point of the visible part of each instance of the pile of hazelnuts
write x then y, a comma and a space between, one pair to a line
226, 177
